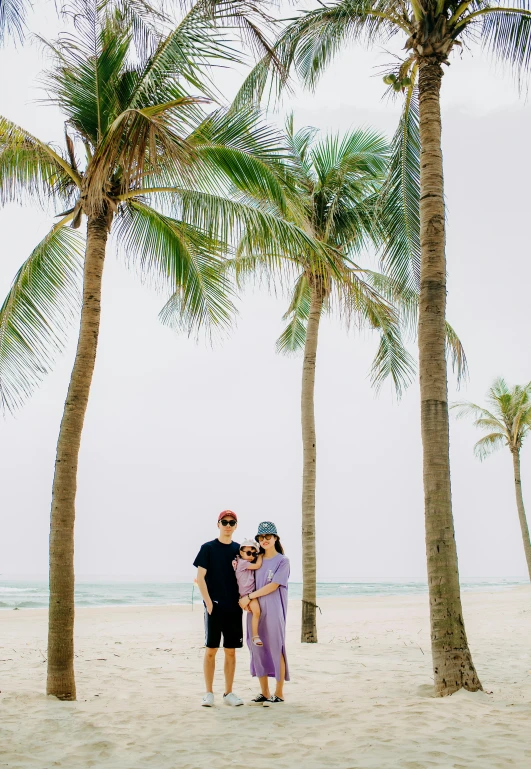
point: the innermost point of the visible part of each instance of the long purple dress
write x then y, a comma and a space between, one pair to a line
265, 660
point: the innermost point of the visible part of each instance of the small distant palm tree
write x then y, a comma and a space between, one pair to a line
143, 139
508, 422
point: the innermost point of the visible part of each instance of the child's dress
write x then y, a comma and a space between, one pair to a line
244, 576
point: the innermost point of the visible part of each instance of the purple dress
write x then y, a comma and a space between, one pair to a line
265, 660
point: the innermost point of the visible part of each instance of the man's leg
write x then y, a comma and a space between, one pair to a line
209, 667
230, 668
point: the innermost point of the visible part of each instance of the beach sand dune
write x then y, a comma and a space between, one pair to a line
360, 699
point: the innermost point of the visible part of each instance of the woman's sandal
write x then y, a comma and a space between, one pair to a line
257, 640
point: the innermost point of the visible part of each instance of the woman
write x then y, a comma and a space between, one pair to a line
269, 660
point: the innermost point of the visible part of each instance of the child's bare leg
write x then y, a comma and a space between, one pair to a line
255, 609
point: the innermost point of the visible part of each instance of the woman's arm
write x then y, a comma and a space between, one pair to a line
258, 593
265, 590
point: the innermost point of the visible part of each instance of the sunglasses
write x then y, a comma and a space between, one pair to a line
228, 522
265, 536
247, 552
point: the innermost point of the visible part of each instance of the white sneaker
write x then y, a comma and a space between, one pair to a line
232, 699
208, 700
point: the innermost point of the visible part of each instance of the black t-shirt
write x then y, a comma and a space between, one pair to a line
220, 577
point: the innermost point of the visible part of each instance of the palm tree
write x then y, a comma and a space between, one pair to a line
332, 185
143, 139
508, 422
432, 30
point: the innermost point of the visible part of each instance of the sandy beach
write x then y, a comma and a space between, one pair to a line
360, 699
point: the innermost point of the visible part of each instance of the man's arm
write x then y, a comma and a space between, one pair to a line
203, 589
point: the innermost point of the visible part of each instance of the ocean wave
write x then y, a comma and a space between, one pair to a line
25, 605
26, 595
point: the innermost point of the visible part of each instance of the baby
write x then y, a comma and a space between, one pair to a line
245, 564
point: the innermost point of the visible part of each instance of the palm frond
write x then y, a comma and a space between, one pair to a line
293, 338
251, 91
36, 313
240, 149
455, 352
12, 19
401, 296
202, 40
229, 220
507, 35
86, 78
489, 443
398, 211
180, 258
311, 41
145, 21
31, 168
392, 360
360, 302
466, 408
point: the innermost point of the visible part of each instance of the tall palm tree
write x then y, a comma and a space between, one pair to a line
332, 185
432, 31
144, 140
508, 422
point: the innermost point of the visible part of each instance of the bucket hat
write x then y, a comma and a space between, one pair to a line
266, 527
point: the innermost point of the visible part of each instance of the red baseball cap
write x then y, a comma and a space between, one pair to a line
226, 513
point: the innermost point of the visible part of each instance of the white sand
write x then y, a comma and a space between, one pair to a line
359, 699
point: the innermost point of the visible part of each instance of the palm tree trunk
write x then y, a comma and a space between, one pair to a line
61, 681
452, 662
521, 510
309, 569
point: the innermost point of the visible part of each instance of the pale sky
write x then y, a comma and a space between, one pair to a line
178, 431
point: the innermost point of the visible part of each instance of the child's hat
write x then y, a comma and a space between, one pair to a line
250, 543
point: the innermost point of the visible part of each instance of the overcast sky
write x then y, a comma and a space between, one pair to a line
177, 431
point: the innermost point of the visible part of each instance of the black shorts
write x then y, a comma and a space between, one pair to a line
226, 623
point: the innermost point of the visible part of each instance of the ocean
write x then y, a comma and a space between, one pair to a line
33, 594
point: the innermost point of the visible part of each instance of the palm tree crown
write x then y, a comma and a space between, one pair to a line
507, 421
507, 418
432, 30
135, 134
332, 187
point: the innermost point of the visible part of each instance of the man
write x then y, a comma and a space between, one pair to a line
223, 617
